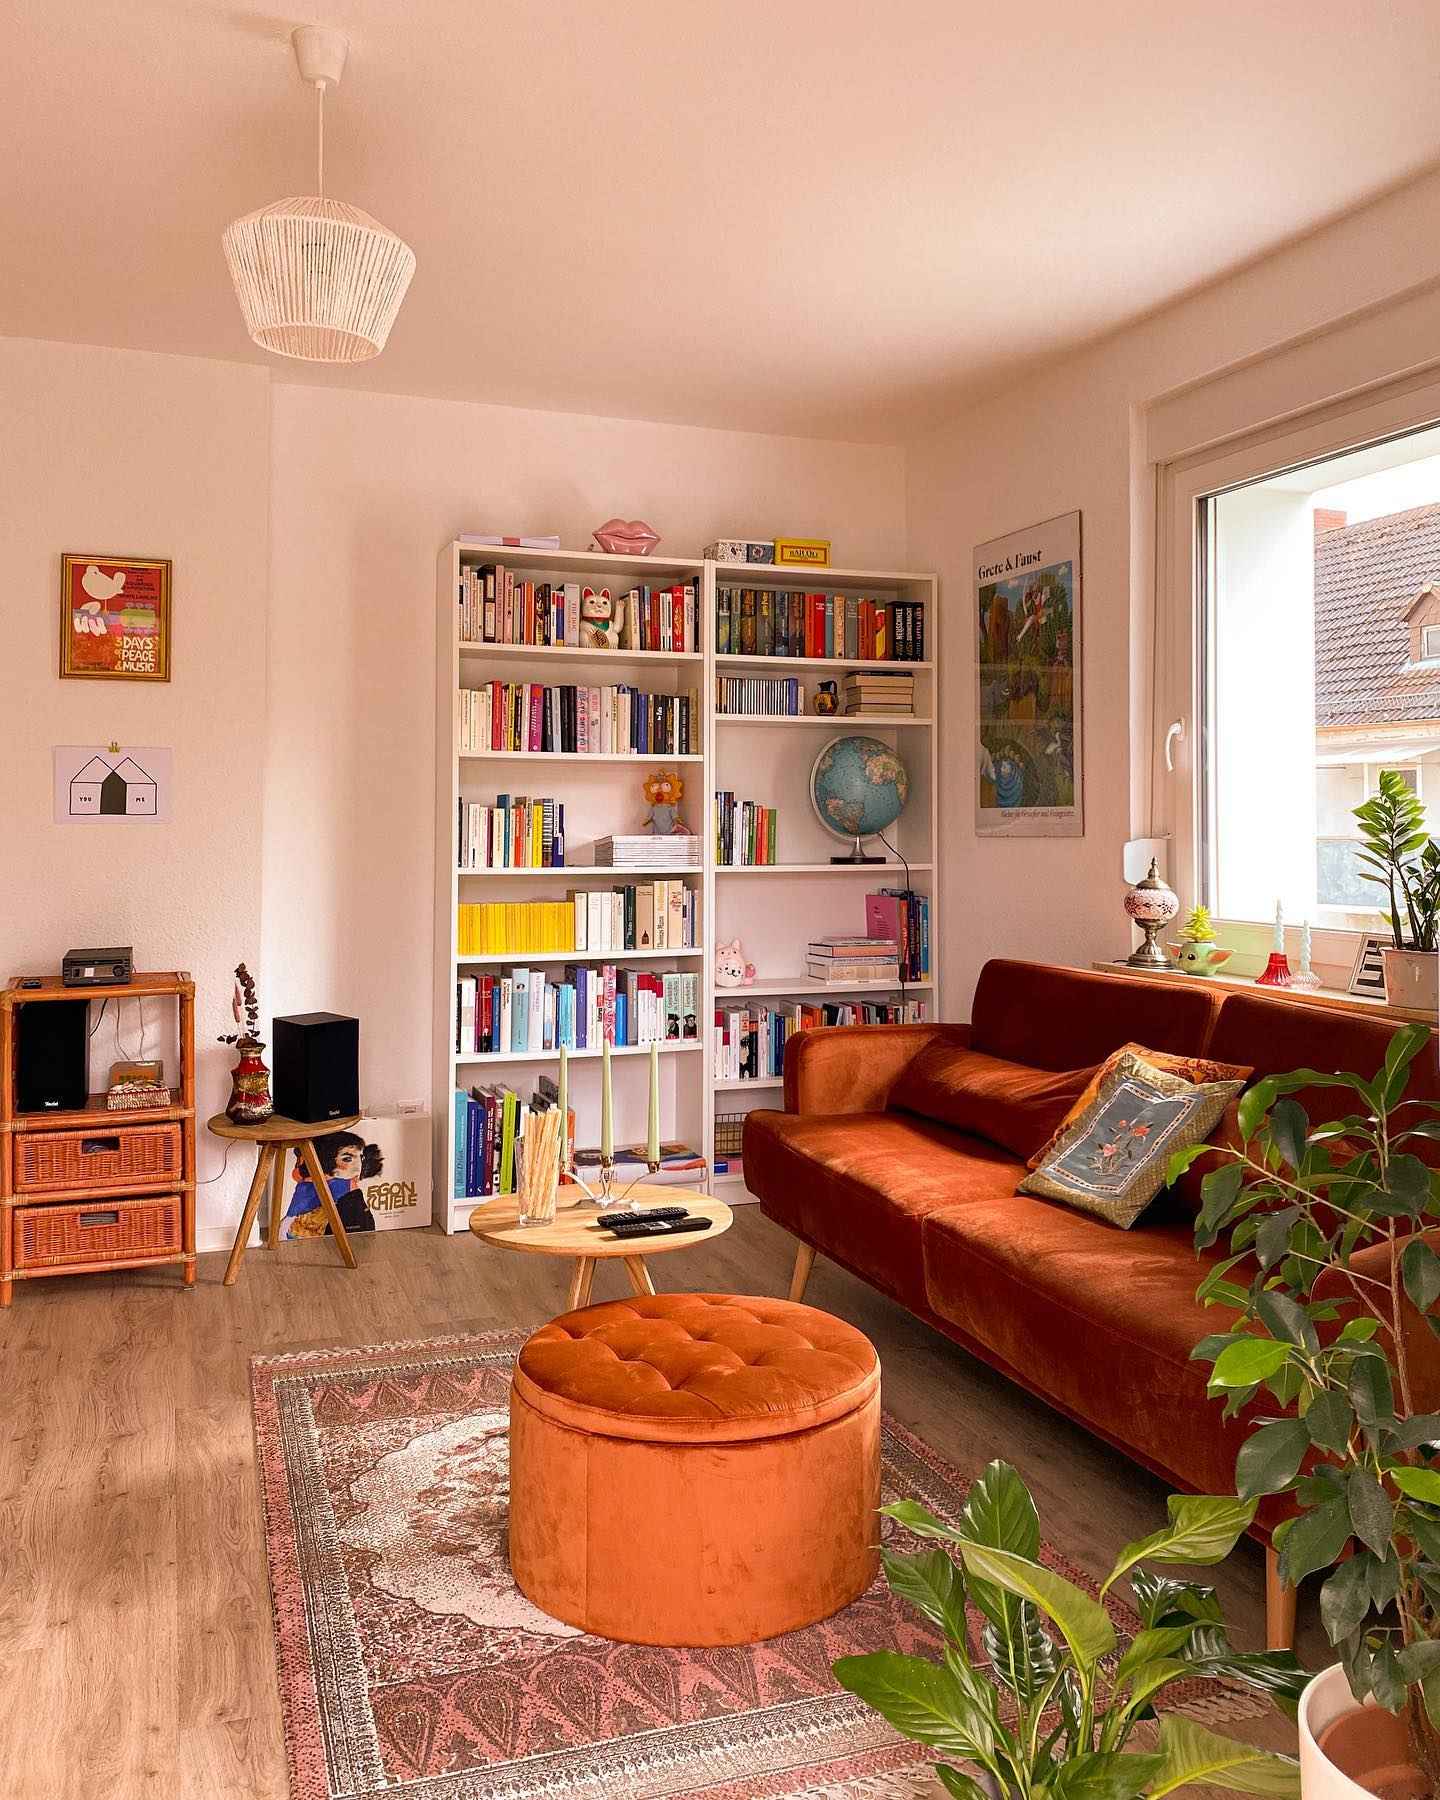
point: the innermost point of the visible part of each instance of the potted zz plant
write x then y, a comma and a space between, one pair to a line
1399, 855
1331, 1274
1047, 1702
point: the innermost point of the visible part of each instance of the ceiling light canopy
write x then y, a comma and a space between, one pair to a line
316, 279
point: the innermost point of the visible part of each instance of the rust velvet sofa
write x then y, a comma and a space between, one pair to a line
900, 1148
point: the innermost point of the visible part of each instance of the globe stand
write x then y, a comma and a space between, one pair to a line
857, 855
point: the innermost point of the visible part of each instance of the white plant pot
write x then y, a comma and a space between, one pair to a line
1327, 1698
1412, 979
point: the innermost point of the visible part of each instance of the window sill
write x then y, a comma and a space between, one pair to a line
1332, 998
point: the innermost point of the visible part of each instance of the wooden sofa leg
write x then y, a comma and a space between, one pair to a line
1279, 1606
804, 1262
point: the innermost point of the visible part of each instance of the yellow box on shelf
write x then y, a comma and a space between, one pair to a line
803, 553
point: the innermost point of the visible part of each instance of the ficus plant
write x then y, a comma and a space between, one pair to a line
1048, 1702
1325, 1254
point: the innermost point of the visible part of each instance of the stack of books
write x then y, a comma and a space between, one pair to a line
647, 915
594, 721
680, 1166
754, 697
904, 916
850, 627
748, 1043
873, 692
581, 1006
490, 1132
644, 849
846, 960
514, 833
499, 607
746, 833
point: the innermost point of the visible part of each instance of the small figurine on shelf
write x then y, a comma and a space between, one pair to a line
1305, 976
1276, 972
1196, 952
250, 1079
664, 790
599, 628
827, 698
731, 968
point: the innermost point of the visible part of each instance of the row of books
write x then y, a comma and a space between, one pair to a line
755, 696
774, 622
845, 959
902, 916
490, 1136
581, 1006
646, 915
874, 692
672, 850
594, 721
746, 833
497, 607
749, 1041
515, 833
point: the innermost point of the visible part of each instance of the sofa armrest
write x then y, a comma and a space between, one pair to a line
1422, 1348
852, 1068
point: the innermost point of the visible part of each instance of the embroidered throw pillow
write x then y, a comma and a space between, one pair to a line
1110, 1160
1189, 1068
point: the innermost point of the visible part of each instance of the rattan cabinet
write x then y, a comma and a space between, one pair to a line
91, 1190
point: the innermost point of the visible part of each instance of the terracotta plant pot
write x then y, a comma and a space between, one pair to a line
1349, 1751
1412, 979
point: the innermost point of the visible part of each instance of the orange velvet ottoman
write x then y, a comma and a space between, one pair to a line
694, 1468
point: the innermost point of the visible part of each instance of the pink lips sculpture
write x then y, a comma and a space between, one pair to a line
626, 537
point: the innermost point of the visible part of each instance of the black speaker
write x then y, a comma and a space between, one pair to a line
316, 1066
52, 1055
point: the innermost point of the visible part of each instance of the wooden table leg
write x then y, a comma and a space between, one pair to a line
263, 1160
277, 1195
581, 1281
639, 1272
327, 1201
804, 1262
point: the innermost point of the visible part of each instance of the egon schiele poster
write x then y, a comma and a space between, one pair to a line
1027, 601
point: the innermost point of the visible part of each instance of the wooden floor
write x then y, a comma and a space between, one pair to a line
134, 1616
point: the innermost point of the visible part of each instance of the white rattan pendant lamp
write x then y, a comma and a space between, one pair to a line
316, 279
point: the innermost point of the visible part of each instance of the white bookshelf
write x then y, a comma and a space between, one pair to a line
775, 918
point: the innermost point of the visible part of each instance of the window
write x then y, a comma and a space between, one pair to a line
1309, 663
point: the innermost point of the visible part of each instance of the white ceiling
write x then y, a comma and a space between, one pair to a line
810, 216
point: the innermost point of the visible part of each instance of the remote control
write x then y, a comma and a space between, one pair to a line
649, 1215
664, 1228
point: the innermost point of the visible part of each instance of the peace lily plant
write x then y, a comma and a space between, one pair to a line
1322, 1228
1050, 1705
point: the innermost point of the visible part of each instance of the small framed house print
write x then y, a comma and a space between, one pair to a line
115, 617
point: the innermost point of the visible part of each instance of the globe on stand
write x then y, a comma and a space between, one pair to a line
858, 786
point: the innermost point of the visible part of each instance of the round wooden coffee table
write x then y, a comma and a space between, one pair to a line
572, 1232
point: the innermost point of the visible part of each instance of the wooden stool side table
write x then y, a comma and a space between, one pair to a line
272, 1137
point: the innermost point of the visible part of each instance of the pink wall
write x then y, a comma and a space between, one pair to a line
1075, 435
121, 450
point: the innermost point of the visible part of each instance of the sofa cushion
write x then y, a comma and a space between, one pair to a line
1055, 1018
1187, 1067
1014, 1106
858, 1185
1102, 1321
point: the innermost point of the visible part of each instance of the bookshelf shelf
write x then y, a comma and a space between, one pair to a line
835, 721
580, 756
602, 795
687, 1047
569, 870
732, 660
529, 958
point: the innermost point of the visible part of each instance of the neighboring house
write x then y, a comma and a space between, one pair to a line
1377, 677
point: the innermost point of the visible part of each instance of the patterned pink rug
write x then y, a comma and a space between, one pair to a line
410, 1663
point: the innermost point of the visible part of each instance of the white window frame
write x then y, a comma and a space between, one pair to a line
1183, 489
1427, 654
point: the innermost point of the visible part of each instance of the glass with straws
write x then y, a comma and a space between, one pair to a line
540, 1168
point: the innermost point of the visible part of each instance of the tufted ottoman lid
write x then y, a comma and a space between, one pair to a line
697, 1368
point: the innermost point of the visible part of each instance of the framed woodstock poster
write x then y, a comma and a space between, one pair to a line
115, 617
1027, 623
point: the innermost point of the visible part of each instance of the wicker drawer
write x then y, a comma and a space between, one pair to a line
52, 1237
108, 1155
